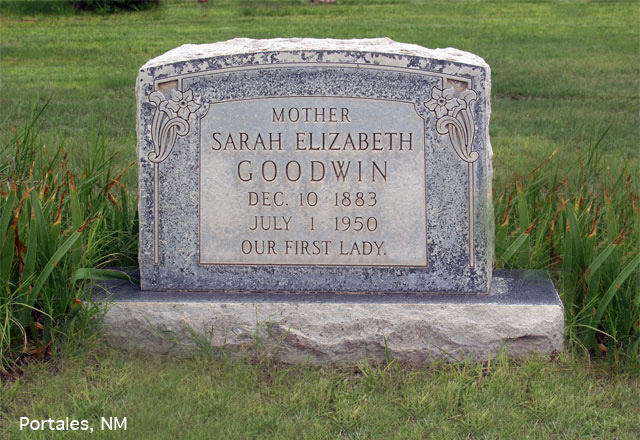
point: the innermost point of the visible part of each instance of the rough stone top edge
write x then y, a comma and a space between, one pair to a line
236, 46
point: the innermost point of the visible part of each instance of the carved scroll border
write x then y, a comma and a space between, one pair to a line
452, 109
451, 106
170, 121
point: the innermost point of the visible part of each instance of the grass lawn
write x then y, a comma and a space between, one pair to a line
165, 398
563, 73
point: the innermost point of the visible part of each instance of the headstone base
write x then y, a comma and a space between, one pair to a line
521, 315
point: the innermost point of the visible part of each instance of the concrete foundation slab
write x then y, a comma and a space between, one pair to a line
522, 314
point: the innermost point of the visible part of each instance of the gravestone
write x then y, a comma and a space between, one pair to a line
332, 196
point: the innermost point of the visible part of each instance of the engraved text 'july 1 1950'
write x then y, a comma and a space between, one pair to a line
313, 181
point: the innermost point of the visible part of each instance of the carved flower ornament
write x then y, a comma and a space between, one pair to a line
170, 121
181, 103
442, 102
455, 119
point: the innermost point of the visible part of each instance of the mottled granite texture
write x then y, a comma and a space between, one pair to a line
448, 89
522, 315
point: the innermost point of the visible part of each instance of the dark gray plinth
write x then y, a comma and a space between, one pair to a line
522, 313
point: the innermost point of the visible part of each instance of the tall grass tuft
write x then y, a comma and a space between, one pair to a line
62, 216
581, 222
55, 217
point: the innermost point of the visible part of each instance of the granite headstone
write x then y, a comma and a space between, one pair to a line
315, 165
328, 198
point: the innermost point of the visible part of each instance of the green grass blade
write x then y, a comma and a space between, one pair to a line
6, 258
611, 221
76, 222
574, 235
41, 224
622, 276
7, 211
523, 209
54, 235
32, 251
87, 273
51, 264
513, 247
634, 346
525, 225
599, 260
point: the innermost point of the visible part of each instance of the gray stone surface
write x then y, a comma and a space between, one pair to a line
521, 314
433, 214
